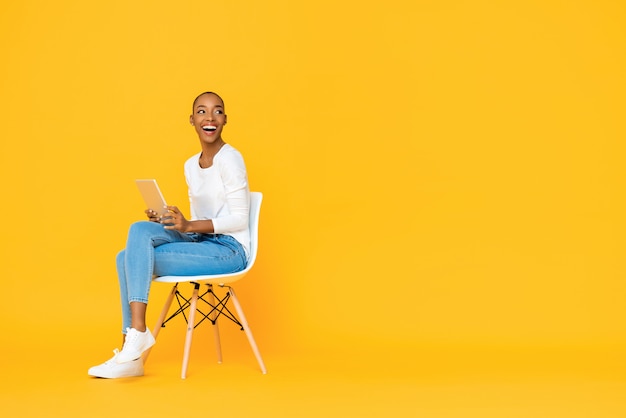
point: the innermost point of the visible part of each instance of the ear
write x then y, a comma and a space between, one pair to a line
191, 119
225, 119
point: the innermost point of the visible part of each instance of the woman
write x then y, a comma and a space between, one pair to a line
215, 240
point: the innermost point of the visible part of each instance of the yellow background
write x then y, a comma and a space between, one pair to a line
443, 187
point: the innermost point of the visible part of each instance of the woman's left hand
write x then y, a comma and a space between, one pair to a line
174, 219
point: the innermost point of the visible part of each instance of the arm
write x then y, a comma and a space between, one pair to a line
234, 179
174, 219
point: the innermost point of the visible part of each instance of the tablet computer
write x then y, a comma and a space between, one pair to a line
152, 195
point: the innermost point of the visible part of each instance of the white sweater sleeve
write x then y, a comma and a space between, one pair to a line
221, 193
234, 177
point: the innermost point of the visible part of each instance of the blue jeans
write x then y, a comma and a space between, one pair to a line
154, 250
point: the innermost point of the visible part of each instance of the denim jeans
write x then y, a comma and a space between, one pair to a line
154, 250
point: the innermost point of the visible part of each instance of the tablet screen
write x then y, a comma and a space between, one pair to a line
152, 195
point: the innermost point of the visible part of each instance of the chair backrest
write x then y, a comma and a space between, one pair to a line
255, 211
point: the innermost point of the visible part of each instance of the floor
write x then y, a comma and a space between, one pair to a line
339, 378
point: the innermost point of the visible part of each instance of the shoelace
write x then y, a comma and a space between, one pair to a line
131, 337
112, 361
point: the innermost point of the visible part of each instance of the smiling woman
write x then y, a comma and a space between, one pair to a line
215, 240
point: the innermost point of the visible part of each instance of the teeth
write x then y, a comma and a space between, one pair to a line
209, 128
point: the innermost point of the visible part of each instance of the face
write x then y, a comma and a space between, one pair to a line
208, 117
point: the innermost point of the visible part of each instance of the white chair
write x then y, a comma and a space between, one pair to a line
209, 297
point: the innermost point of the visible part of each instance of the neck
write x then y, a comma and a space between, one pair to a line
209, 151
212, 147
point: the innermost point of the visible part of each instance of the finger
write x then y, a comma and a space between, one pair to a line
152, 213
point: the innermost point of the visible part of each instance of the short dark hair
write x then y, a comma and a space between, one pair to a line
202, 94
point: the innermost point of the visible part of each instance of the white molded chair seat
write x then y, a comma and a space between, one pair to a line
217, 309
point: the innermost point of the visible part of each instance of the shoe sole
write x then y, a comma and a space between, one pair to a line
110, 376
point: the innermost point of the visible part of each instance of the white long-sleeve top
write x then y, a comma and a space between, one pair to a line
221, 193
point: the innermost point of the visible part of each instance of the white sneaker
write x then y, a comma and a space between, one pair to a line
111, 369
135, 344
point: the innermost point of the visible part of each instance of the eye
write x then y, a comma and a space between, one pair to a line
201, 111
219, 112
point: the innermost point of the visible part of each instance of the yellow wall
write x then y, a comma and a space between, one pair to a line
434, 171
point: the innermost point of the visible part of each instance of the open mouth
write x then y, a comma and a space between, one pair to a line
209, 128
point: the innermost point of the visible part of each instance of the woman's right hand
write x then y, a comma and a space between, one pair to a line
153, 216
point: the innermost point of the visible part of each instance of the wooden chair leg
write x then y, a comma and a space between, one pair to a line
246, 328
190, 325
159, 324
216, 329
